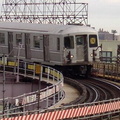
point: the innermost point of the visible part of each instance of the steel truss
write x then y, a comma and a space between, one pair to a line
45, 11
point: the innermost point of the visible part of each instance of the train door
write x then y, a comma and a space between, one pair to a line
81, 48
27, 46
46, 53
69, 49
10, 44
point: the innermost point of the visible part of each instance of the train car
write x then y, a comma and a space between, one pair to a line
70, 48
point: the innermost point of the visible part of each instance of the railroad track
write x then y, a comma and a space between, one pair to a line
103, 90
95, 90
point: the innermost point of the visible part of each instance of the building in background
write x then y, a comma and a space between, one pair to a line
110, 50
105, 35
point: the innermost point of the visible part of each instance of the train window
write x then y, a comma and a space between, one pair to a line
18, 39
58, 43
36, 41
80, 40
2, 38
93, 41
69, 42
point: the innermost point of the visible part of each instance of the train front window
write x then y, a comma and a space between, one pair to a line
69, 42
93, 41
80, 40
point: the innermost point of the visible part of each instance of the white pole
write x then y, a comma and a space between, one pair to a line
18, 60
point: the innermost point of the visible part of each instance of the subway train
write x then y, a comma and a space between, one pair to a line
69, 48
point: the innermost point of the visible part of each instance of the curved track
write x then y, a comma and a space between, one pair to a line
98, 90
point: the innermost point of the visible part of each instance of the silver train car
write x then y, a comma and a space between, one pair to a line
67, 47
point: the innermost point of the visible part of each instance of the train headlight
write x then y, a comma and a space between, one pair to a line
72, 56
91, 54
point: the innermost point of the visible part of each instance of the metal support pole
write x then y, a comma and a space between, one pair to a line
54, 95
24, 106
58, 76
3, 85
48, 74
18, 60
58, 95
14, 72
18, 64
47, 99
8, 111
25, 69
34, 72
53, 76
39, 88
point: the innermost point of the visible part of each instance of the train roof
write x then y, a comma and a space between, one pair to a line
45, 28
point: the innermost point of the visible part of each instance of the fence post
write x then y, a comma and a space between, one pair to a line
34, 71
48, 73
24, 104
58, 92
53, 75
25, 69
8, 111
54, 95
47, 98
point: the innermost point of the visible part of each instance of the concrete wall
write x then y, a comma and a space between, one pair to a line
110, 45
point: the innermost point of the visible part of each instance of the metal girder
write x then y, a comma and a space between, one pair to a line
45, 11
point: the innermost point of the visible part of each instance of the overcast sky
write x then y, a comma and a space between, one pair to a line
103, 14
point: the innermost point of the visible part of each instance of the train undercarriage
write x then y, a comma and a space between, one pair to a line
75, 70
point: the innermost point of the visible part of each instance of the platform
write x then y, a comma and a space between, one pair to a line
70, 95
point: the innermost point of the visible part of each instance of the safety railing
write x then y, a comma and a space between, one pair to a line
80, 111
109, 59
106, 70
32, 101
84, 111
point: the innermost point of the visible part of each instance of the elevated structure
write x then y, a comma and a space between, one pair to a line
45, 11
37, 98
